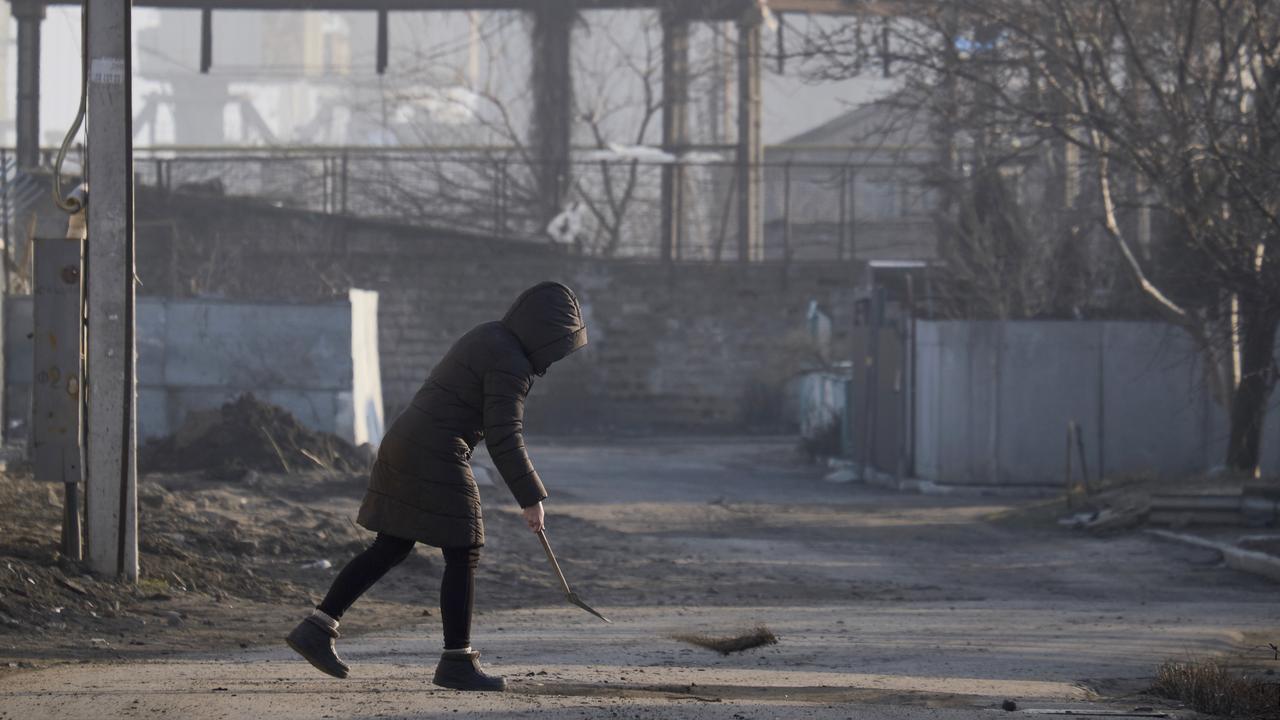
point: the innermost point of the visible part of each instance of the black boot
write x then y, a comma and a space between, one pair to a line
461, 671
313, 640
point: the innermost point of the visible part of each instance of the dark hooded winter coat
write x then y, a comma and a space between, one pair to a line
421, 487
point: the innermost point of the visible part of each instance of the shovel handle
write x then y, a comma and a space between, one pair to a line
546, 546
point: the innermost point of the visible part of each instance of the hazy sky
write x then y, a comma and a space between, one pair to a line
792, 105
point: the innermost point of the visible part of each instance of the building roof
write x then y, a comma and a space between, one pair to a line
891, 123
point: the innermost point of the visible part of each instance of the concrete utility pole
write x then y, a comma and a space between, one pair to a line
112, 387
552, 81
750, 149
30, 15
675, 127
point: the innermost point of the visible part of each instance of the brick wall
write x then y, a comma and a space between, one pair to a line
683, 346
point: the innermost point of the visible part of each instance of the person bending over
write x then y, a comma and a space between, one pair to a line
421, 489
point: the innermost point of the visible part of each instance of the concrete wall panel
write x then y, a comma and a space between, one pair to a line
1049, 375
928, 399
240, 345
198, 354
1156, 400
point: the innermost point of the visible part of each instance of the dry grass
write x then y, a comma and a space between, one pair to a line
756, 637
1211, 687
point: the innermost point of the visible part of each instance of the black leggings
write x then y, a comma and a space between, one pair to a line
457, 588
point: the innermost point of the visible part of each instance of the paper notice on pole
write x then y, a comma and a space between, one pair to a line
107, 71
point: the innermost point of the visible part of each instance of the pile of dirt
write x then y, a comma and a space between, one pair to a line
222, 563
249, 435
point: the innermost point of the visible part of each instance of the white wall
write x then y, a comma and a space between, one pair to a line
198, 354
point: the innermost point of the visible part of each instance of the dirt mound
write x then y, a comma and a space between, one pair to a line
222, 563
248, 434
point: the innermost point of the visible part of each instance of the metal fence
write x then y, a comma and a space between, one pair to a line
611, 203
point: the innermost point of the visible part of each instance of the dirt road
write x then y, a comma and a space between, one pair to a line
886, 605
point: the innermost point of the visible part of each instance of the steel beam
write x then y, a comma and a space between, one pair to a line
112, 437
675, 128
30, 16
750, 154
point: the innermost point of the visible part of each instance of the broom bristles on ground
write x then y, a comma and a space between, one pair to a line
756, 637
1210, 687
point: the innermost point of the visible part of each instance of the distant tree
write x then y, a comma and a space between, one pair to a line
1166, 106
482, 152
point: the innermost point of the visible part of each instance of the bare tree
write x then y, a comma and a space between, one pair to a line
473, 164
613, 192
1168, 106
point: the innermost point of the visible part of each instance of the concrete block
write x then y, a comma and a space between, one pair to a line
241, 345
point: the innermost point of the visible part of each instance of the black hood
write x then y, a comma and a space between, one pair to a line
548, 322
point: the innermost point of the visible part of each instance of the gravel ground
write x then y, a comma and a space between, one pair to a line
886, 605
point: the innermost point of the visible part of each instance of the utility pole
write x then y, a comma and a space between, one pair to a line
30, 15
552, 82
111, 440
675, 127
750, 156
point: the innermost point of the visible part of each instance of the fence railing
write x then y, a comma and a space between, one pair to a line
609, 202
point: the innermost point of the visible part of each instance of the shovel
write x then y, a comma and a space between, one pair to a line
569, 595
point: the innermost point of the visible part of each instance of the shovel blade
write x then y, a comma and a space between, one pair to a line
573, 598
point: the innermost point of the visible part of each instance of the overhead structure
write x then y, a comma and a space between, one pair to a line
705, 9
550, 135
